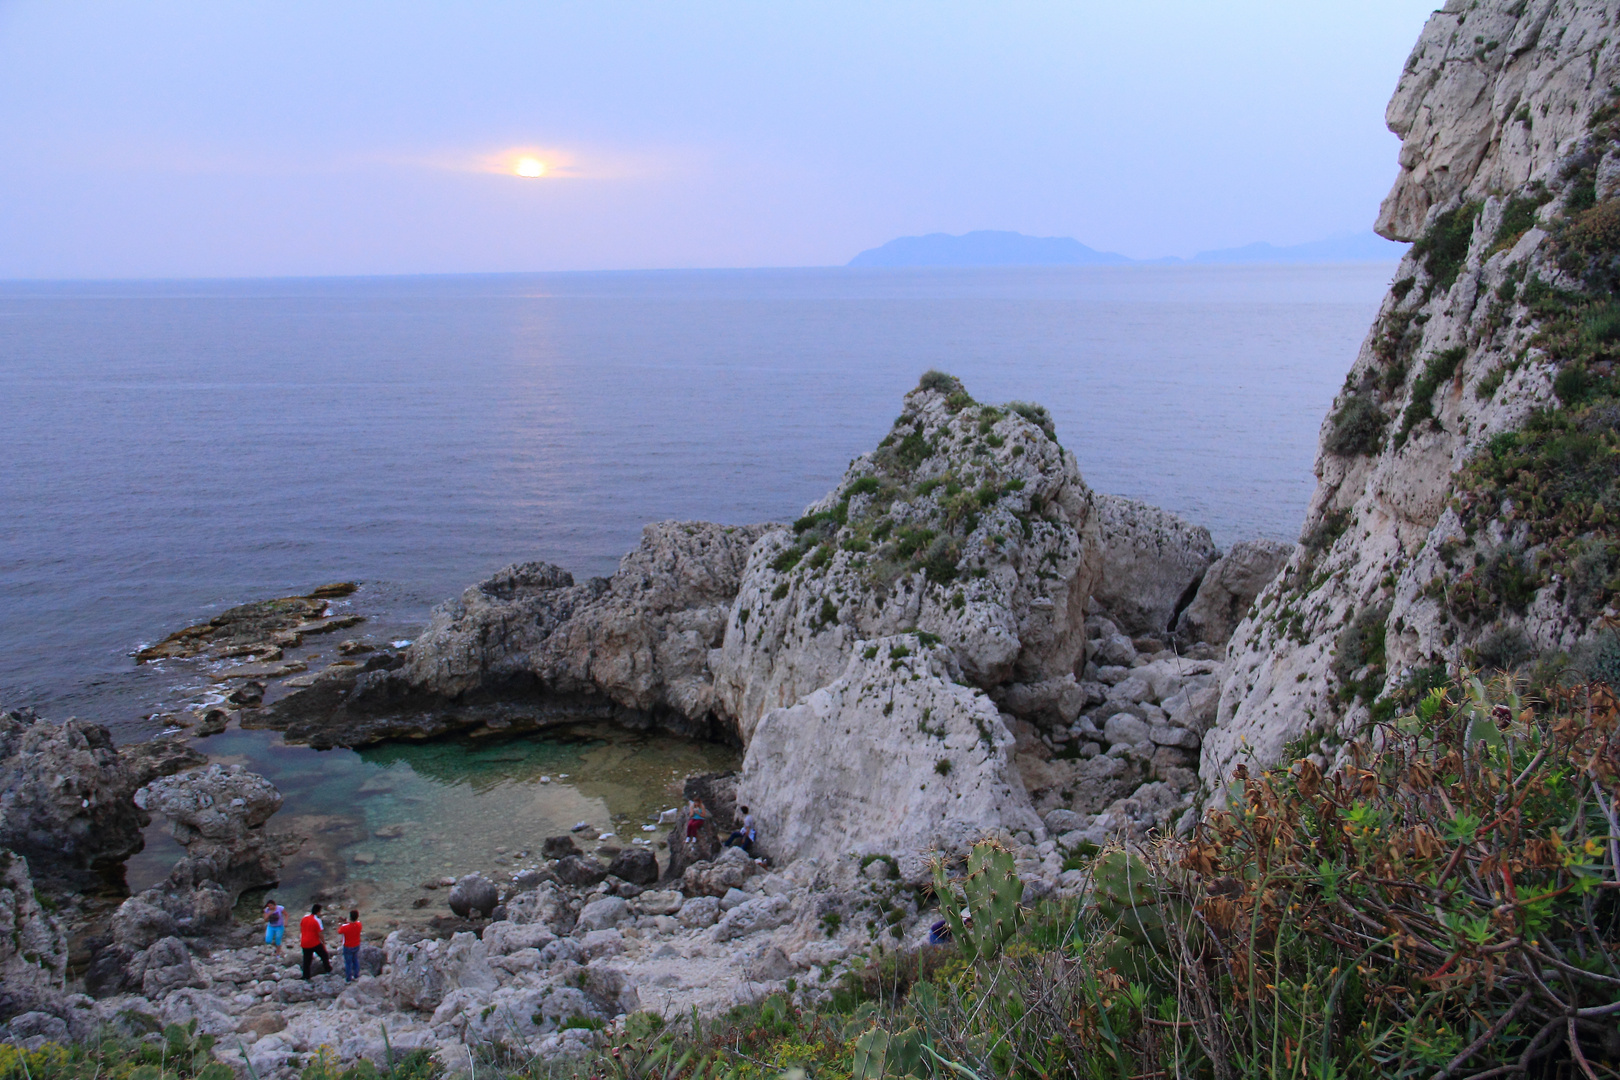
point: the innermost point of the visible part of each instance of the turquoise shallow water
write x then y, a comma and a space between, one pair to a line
382, 821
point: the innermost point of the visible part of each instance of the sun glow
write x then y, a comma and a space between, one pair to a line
530, 167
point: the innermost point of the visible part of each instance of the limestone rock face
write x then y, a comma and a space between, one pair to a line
1445, 528
1152, 561
968, 523
1478, 120
894, 756
217, 813
65, 796
1229, 588
33, 954
637, 644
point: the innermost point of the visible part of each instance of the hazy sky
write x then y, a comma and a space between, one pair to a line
337, 137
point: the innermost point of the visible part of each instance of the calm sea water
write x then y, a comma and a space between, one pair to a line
170, 449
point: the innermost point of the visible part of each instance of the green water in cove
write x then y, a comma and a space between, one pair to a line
383, 821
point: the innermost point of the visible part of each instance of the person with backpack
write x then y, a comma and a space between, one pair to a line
312, 937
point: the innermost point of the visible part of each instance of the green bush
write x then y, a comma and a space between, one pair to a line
1441, 367
1358, 427
1444, 248
939, 381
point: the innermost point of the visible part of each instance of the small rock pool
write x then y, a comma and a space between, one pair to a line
384, 821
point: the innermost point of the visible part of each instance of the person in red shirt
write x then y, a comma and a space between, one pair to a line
312, 936
351, 946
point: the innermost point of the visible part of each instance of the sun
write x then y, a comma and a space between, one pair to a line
530, 167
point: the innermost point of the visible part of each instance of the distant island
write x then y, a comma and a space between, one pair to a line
987, 247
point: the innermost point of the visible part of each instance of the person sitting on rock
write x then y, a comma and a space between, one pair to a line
275, 923
312, 937
695, 815
745, 836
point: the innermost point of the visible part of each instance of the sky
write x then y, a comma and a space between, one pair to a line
224, 138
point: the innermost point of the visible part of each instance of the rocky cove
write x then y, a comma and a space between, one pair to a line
960, 641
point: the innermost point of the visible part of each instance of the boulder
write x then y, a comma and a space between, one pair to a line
474, 893
164, 966
1229, 588
700, 912
581, 871
635, 865
67, 803
559, 847
969, 523
896, 755
764, 913
138, 924
1152, 563
603, 914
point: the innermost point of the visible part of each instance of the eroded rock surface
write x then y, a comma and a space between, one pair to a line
1152, 561
1228, 589
1448, 526
894, 755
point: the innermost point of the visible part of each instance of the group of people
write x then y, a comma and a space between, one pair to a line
697, 814
312, 938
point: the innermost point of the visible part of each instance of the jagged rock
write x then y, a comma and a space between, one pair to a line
664, 902
729, 870
504, 938
474, 893
559, 847
164, 966
603, 914
217, 814
65, 798
580, 870
1050, 703
718, 793
248, 627
33, 953
138, 924
764, 913
159, 757
544, 905
1498, 146
1152, 562
1229, 588
635, 646
109, 971
699, 912
968, 523
421, 973
896, 755
637, 866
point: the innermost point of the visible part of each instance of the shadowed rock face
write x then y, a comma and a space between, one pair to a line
1438, 534
529, 647
33, 956
1228, 590
65, 797
1152, 561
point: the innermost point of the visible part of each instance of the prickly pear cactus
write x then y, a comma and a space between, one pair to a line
1138, 913
991, 892
879, 1054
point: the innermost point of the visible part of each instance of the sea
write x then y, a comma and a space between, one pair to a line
171, 448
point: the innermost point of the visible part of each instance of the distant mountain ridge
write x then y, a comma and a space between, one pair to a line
988, 247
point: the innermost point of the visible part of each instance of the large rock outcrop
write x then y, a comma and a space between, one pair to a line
218, 815
896, 755
969, 523
33, 954
1467, 500
65, 798
529, 646
1152, 562
1228, 589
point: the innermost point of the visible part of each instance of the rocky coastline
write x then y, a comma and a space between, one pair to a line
960, 641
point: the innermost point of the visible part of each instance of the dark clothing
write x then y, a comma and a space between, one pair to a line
310, 953
351, 962
939, 933
742, 840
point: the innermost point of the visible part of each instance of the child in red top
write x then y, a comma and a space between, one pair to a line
312, 936
351, 946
